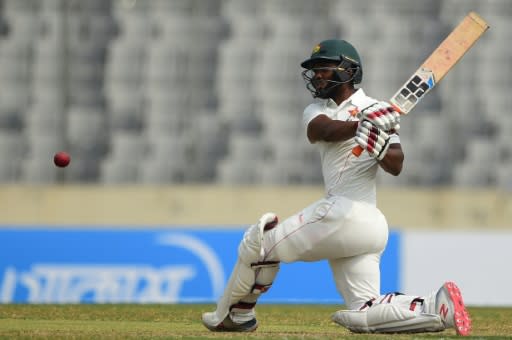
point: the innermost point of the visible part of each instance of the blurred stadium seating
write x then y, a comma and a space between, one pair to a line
209, 91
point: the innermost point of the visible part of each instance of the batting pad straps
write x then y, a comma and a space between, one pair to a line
415, 302
367, 304
260, 289
264, 264
265, 274
242, 306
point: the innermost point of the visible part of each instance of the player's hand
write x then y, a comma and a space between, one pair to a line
372, 139
382, 115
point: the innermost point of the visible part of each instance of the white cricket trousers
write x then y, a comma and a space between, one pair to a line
350, 235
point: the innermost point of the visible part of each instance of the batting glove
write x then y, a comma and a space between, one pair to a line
372, 139
382, 115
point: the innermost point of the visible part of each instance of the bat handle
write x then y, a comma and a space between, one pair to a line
357, 150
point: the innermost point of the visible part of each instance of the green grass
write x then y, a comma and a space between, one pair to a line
183, 322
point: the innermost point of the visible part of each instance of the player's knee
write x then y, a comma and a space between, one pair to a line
251, 250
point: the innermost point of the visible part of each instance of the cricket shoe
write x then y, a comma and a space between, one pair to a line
450, 307
228, 325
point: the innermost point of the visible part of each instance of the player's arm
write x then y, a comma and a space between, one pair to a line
393, 160
323, 128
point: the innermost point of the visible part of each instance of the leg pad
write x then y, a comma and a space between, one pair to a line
388, 318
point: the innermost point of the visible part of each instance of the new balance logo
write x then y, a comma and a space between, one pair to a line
443, 311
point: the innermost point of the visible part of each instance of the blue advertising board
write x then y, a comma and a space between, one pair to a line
173, 265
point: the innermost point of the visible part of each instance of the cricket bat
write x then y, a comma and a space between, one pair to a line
437, 65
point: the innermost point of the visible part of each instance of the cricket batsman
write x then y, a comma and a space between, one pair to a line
345, 226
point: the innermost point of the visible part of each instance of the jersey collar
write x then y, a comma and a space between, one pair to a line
357, 99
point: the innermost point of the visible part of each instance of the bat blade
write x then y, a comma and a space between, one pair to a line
440, 62
437, 65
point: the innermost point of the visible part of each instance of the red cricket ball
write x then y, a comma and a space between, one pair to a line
61, 159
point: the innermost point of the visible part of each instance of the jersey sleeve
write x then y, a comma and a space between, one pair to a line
310, 112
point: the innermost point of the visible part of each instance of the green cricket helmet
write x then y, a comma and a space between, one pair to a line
339, 51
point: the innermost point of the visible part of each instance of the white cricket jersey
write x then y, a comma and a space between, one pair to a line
344, 174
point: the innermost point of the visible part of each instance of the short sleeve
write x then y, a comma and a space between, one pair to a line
310, 113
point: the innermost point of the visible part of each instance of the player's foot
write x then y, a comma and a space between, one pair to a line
450, 307
227, 325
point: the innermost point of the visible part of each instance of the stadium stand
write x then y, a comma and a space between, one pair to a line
209, 91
